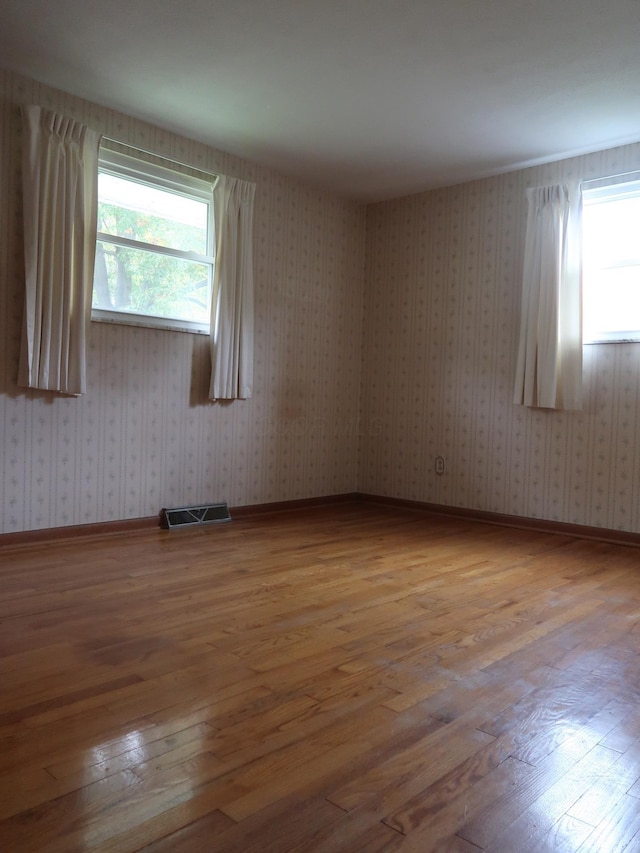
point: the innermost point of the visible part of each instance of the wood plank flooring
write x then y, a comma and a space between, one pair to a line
346, 678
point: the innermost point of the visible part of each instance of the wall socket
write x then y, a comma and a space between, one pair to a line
440, 465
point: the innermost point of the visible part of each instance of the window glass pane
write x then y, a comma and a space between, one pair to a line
611, 301
611, 265
145, 282
151, 215
611, 232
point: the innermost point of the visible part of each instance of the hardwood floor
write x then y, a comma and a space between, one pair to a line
347, 678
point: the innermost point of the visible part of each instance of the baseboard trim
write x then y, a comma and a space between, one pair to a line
292, 506
538, 525
78, 531
135, 525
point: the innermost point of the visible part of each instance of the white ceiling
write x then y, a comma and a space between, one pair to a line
369, 98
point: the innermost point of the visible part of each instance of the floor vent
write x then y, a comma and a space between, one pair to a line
187, 516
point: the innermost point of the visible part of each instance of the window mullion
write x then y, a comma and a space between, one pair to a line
153, 247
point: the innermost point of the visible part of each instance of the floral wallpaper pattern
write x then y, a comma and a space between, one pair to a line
442, 316
144, 436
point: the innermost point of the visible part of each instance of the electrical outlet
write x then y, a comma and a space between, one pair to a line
440, 464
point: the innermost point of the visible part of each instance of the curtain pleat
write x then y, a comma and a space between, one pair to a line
549, 367
60, 191
232, 302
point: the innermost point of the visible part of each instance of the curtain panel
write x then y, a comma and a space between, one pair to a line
60, 188
232, 301
549, 367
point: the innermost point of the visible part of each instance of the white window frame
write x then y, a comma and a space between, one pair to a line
176, 181
608, 190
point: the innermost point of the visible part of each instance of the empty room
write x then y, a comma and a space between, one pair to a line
319, 426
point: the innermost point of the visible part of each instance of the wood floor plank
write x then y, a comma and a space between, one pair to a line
437, 812
190, 804
565, 836
596, 802
337, 679
505, 811
537, 821
289, 769
292, 823
439, 823
620, 830
200, 834
59, 824
342, 833
407, 772
165, 782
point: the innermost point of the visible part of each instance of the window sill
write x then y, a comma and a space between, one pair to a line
148, 322
635, 340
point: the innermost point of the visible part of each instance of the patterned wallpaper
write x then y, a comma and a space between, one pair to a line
363, 376
442, 314
144, 436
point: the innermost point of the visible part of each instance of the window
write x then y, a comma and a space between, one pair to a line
154, 252
611, 261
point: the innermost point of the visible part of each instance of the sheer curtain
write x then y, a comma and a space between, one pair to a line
549, 369
60, 177
232, 302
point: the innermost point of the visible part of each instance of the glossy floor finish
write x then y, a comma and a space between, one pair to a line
348, 678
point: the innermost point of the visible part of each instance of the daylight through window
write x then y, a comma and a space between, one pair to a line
154, 253
611, 262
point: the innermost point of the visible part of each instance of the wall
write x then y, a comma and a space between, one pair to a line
144, 436
441, 303
442, 314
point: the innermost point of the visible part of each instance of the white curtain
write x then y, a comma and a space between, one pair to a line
549, 369
60, 188
232, 302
